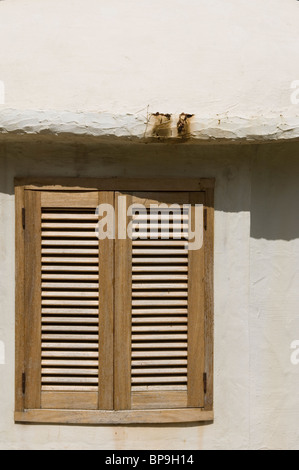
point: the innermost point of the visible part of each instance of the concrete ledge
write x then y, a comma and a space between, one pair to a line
155, 127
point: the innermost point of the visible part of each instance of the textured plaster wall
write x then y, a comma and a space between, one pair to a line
274, 298
256, 299
231, 64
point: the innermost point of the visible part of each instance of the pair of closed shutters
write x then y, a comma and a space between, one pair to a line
116, 323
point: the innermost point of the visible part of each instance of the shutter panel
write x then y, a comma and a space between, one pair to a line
163, 309
68, 302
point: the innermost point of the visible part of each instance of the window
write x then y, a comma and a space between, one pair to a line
112, 328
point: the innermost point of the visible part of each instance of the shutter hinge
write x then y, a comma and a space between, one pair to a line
23, 383
205, 219
205, 382
23, 218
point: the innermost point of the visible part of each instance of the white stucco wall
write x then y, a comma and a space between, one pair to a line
256, 294
231, 64
274, 299
101, 69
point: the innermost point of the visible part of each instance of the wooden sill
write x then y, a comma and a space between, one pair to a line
187, 415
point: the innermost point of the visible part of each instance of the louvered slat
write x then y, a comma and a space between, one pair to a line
158, 269
62, 242
147, 355
70, 300
160, 362
70, 311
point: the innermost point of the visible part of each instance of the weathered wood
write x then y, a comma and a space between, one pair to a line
176, 218
156, 285
81, 321
152, 226
150, 340
67, 371
196, 316
61, 345
69, 363
61, 380
166, 269
69, 401
70, 251
74, 200
68, 226
157, 320
67, 234
157, 302
166, 328
157, 371
114, 417
122, 338
71, 260
106, 315
70, 311
159, 362
71, 216
152, 354
66, 336
70, 285
165, 399
161, 251
146, 323
47, 268
157, 243
32, 299
91, 242
158, 388
209, 297
74, 389
86, 303
160, 294
159, 337
162, 235
159, 311
70, 293
71, 354
68, 327
152, 380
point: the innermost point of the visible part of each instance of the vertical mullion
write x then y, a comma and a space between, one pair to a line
123, 314
33, 299
209, 295
106, 313
196, 316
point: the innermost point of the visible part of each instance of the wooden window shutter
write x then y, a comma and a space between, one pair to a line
160, 314
68, 285
114, 330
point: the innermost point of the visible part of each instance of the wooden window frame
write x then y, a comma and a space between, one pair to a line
24, 415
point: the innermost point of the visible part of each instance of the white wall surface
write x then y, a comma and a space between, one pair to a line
101, 68
233, 60
256, 290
